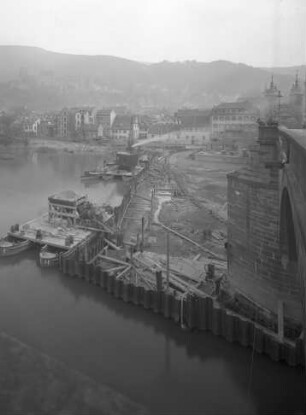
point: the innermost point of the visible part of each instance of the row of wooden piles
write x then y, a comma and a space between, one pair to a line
151, 271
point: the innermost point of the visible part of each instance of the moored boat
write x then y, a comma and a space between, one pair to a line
10, 245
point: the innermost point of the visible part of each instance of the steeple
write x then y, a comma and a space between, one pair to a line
133, 133
272, 100
272, 89
297, 79
296, 88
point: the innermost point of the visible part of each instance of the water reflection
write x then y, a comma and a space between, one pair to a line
133, 350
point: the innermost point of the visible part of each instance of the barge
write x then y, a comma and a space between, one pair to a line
125, 167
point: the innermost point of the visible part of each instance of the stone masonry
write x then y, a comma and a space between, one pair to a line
254, 256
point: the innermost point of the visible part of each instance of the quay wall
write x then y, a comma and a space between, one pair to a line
192, 312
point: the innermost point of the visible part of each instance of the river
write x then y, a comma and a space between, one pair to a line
134, 351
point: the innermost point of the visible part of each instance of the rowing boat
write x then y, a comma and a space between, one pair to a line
10, 245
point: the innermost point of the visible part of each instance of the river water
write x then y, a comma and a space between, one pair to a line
134, 351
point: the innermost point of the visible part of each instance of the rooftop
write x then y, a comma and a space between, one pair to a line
67, 195
122, 122
238, 104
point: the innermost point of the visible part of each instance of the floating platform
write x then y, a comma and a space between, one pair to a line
42, 232
112, 173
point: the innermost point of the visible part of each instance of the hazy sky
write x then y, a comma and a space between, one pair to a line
259, 32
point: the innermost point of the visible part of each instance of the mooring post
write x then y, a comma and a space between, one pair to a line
280, 315
168, 260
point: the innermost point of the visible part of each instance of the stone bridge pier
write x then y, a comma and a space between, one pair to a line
267, 228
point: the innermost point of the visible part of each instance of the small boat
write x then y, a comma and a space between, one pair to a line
92, 174
48, 257
11, 245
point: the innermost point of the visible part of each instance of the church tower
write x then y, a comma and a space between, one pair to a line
296, 93
296, 99
134, 131
272, 97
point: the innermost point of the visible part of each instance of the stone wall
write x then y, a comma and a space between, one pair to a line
254, 256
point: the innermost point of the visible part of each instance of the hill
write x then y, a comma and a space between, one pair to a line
45, 80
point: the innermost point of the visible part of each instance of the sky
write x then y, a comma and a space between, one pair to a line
255, 32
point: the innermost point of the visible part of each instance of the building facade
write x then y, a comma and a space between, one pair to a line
121, 129
104, 120
234, 117
64, 123
30, 126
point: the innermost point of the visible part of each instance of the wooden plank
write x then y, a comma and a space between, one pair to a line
110, 243
115, 269
107, 228
123, 272
89, 228
96, 256
111, 259
186, 239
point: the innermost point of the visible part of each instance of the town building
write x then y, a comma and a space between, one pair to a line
84, 122
64, 123
47, 126
234, 118
194, 126
122, 126
30, 126
161, 129
145, 122
104, 121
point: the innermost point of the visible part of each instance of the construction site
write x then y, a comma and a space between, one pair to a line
175, 223
164, 248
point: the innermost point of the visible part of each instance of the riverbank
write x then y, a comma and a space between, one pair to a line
69, 146
43, 144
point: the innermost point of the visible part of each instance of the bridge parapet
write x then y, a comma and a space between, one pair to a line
293, 143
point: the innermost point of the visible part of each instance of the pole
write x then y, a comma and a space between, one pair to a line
142, 233
168, 261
